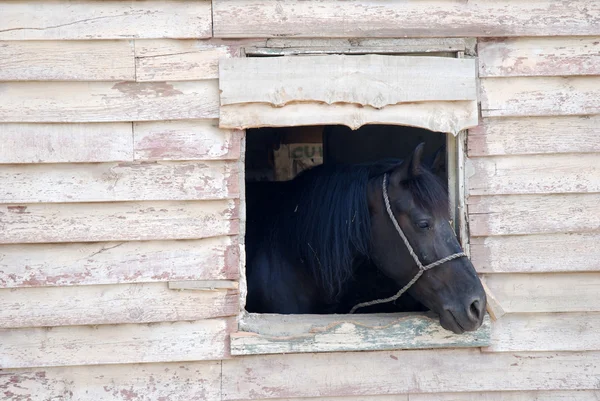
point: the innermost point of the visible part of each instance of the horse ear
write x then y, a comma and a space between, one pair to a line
439, 160
411, 165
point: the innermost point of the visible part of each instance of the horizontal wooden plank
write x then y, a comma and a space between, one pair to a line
538, 56
49, 265
185, 140
540, 96
533, 174
178, 60
107, 101
537, 253
110, 304
368, 80
396, 397
106, 60
84, 20
204, 285
533, 214
546, 293
531, 135
449, 117
118, 221
65, 143
398, 372
298, 334
190, 381
131, 181
115, 344
546, 332
576, 395
359, 18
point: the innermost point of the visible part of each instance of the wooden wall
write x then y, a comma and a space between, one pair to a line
117, 180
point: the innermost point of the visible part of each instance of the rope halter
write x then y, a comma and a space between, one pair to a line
422, 268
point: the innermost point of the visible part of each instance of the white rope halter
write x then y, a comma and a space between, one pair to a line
422, 268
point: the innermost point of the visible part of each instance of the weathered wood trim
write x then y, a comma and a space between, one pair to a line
92, 20
359, 18
110, 304
115, 344
133, 181
277, 334
108, 101
61, 265
117, 221
204, 285
575, 395
66, 143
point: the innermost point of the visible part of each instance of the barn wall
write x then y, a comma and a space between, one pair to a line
116, 180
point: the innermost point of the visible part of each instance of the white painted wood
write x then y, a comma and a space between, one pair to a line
539, 96
576, 395
531, 135
537, 253
371, 45
190, 381
107, 101
398, 397
110, 304
118, 221
533, 214
360, 18
448, 117
550, 56
534, 174
278, 334
493, 307
204, 285
61, 265
185, 140
369, 80
115, 344
84, 19
546, 293
66, 143
418, 371
178, 60
119, 182
96, 60
546, 332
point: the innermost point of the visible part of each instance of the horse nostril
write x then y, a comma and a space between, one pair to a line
475, 310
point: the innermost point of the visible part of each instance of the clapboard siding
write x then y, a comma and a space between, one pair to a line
546, 332
107, 101
117, 221
570, 252
540, 96
533, 174
115, 344
85, 20
191, 381
538, 56
185, 140
533, 214
393, 372
120, 182
581, 395
66, 143
49, 265
67, 60
546, 293
533, 135
360, 18
110, 304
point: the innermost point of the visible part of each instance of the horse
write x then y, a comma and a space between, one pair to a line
313, 240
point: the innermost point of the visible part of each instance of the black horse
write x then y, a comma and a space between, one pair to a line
322, 241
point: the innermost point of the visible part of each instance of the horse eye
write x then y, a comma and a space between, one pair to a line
423, 224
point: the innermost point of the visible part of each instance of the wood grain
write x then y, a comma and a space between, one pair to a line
185, 140
535, 135
86, 20
132, 181
360, 18
118, 221
66, 143
109, 60
110, 304
61, 265
538, 56
107, 101
115, 344
576, 395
